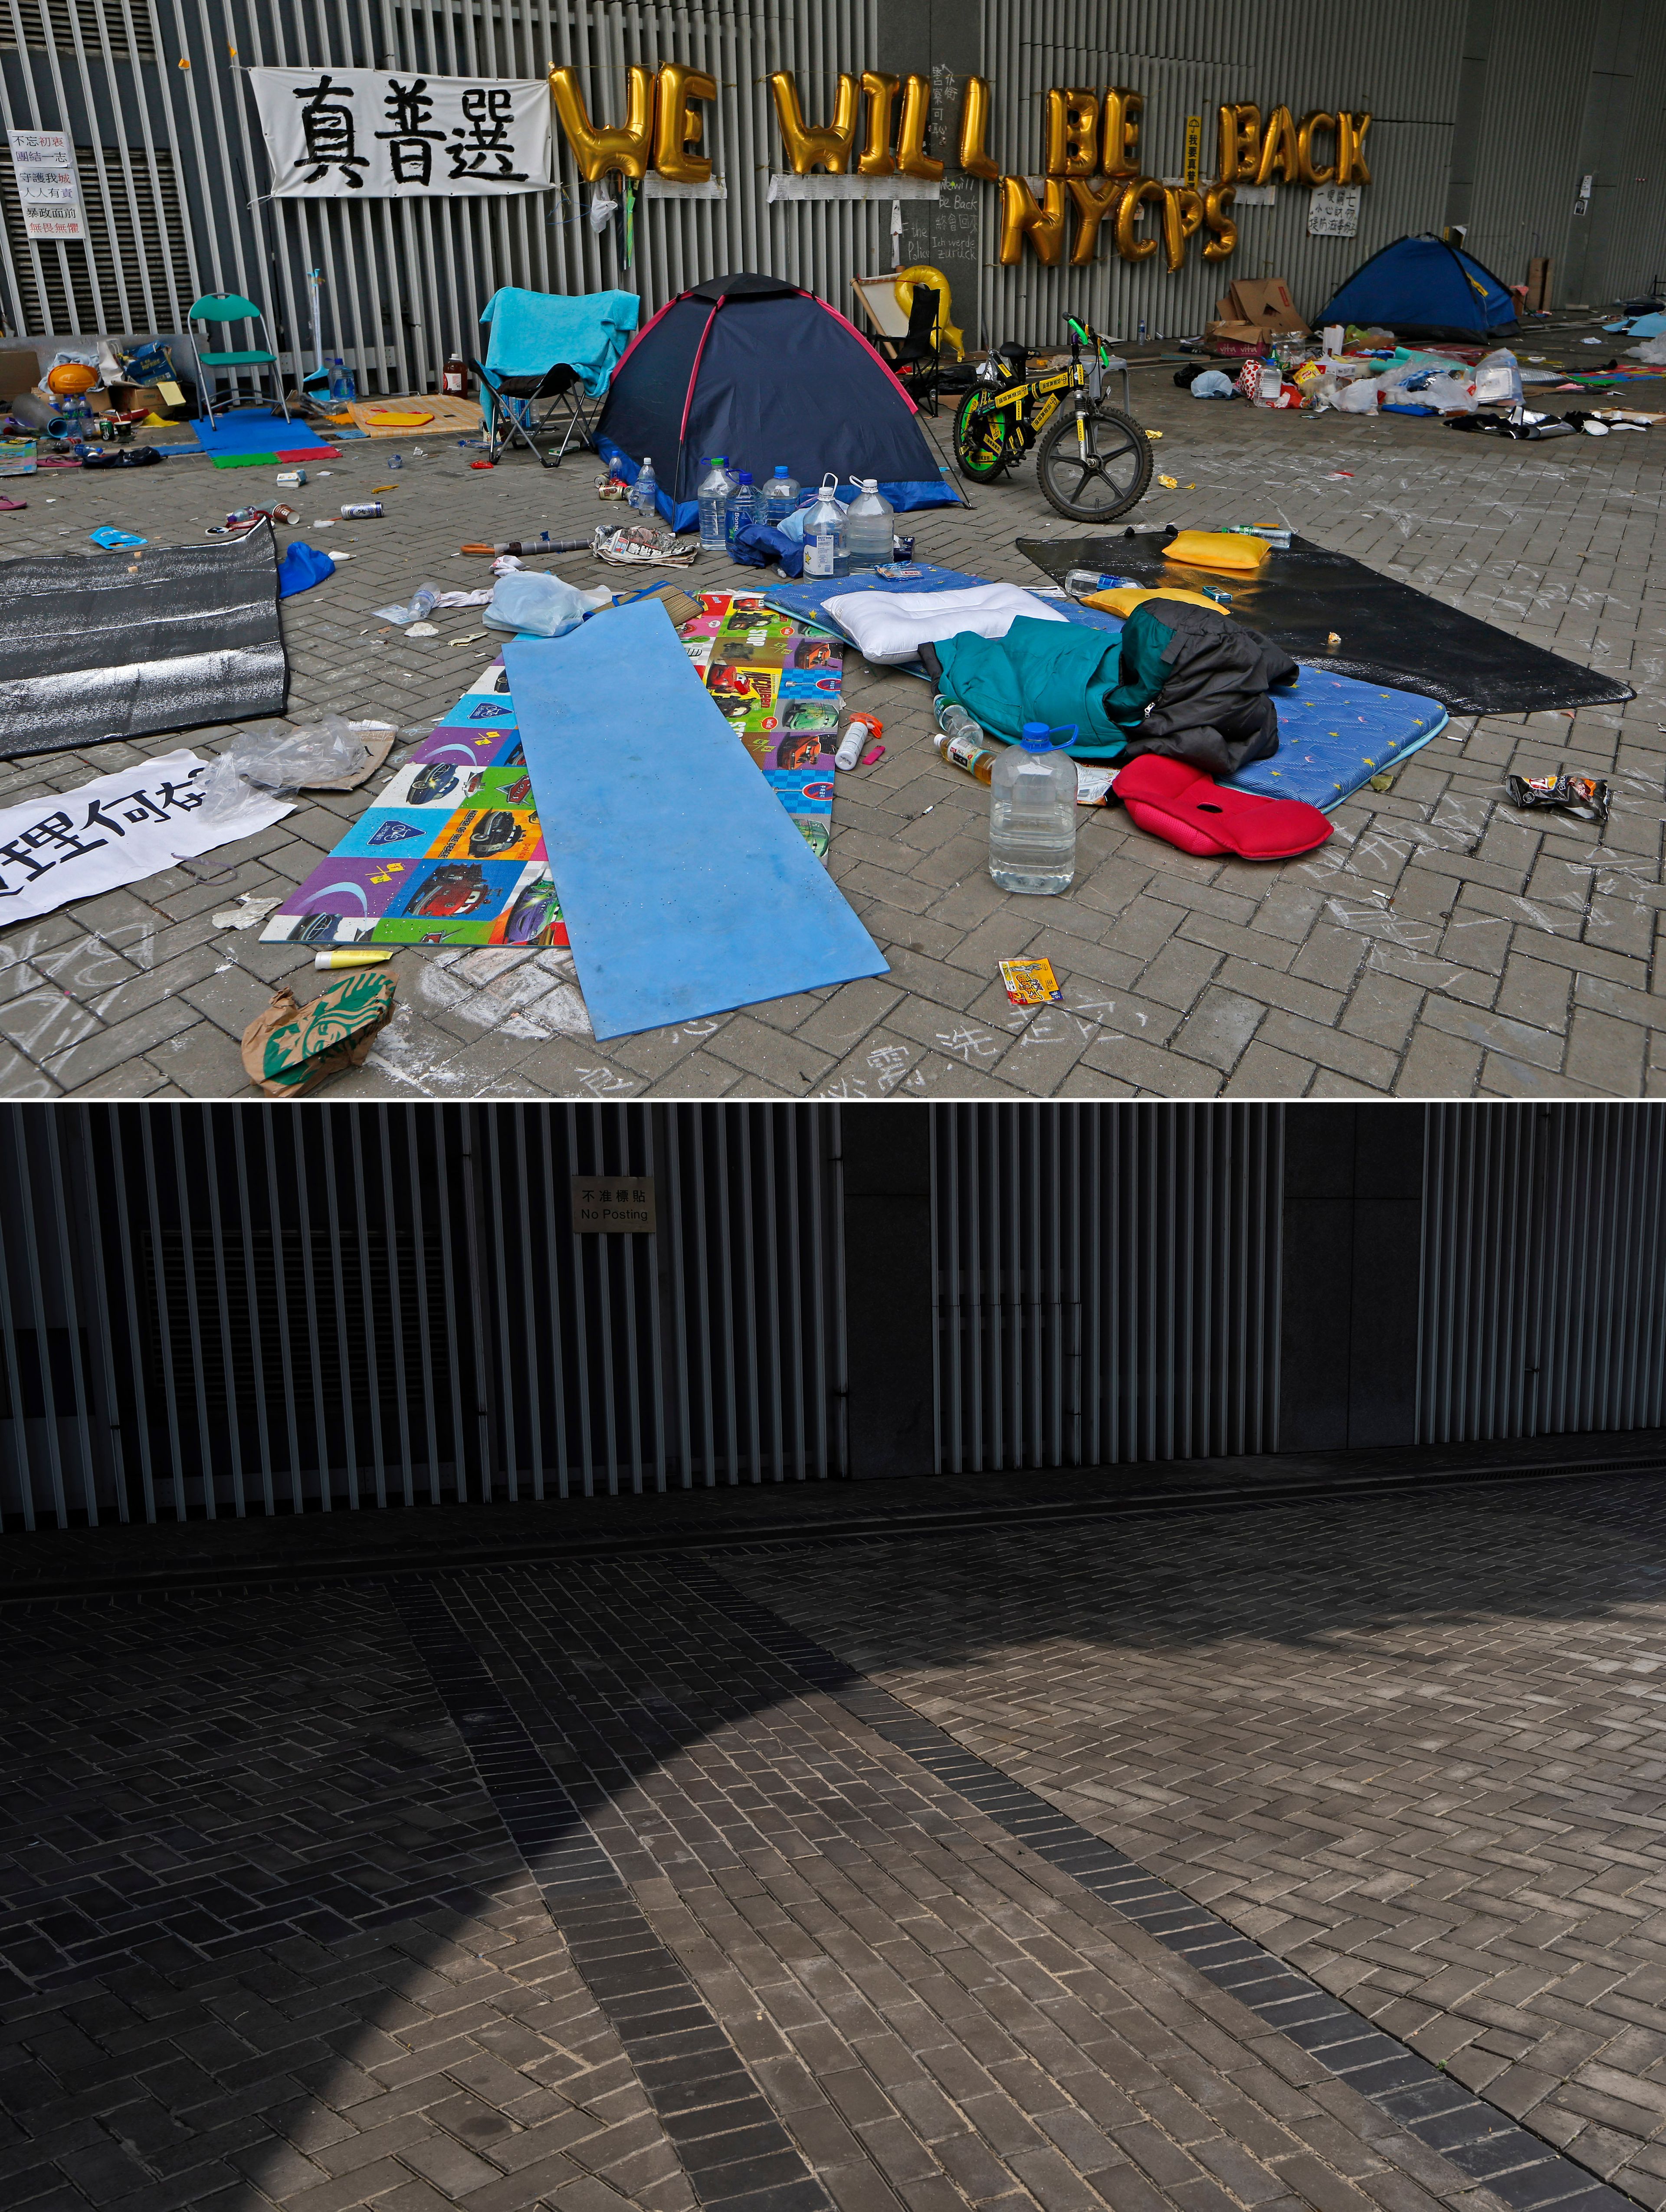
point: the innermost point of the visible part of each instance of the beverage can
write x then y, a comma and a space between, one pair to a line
360, 510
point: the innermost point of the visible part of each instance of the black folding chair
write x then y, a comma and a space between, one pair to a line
915, 356
522, 409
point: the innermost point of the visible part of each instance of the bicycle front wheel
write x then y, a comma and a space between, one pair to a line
1099, 476
980, 440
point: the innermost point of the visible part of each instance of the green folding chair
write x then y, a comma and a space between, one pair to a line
219, 309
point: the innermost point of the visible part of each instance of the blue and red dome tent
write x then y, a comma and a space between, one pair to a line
1421, 287
760, 370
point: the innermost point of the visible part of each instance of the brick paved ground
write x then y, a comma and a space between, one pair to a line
1440, 944
580, 1886
1413, 1747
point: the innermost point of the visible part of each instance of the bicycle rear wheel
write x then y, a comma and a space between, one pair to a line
980, 440
1101, 476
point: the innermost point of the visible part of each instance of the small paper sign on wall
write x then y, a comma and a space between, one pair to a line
48, 184
1332, 211
613, 1206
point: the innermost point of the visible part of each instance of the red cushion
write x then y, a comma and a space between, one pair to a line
1185, 807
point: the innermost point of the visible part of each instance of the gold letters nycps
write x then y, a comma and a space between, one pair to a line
1093, 180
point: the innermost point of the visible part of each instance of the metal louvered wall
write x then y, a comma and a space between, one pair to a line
1108, 1283
174, 170
257, 1310
1544, 1271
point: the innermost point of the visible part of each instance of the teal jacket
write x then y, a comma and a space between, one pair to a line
1058, 674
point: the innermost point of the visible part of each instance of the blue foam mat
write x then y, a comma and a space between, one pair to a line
1335, 732
254, 430
686, 888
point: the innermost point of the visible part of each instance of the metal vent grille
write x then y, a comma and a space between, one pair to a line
1544, 1272
1108, 1284
133, 270
124, 29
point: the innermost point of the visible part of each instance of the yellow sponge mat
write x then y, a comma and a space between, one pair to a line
1216, 548
1125, 598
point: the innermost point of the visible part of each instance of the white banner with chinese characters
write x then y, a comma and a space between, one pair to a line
116, 829
396, 134
48, 187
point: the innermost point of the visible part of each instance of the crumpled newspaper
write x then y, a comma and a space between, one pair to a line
637, 546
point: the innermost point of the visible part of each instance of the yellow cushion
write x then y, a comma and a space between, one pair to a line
1216, 548
1125, 598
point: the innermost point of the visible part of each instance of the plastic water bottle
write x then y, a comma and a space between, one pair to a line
739, 509
340, 385
714, 500
955, 722
868, 527
1032, 813
826, 553
781, 496
646, 484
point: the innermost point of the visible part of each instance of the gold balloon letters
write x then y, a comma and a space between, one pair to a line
1072, 131
625, 150
1092, 160
976, 159
826, 148
1023, 216
678, 127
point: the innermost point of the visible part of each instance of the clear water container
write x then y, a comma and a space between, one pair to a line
1032, 813
739, 510
870, 525
713, 497
826, 553
781, 496
643, 491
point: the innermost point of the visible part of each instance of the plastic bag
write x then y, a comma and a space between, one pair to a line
1212, 383
1358, 396
1652, 349
540, 605
272, 757
603, 209
1498, 377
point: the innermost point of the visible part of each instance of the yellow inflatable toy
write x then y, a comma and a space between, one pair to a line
1217, 549
1124, 599
903, 285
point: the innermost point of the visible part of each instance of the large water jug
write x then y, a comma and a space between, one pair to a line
825, 552
781, 496
868, 527
739, 509
1032, 813
714, 496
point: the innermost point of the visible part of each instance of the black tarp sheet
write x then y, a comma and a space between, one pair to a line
126, 645
1390, 633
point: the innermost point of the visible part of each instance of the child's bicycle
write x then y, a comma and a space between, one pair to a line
1093, 461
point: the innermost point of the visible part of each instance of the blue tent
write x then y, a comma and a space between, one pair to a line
1421, 287
756, 369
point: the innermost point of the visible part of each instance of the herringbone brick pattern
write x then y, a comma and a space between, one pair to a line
1414, 1746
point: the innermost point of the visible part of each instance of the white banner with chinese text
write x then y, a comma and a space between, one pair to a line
117, 829
396, 134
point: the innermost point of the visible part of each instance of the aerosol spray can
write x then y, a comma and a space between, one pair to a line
860, 730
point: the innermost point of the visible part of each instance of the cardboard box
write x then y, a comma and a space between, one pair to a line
146, 399
1235, 341
20, 371
1538, 286
1265, 302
